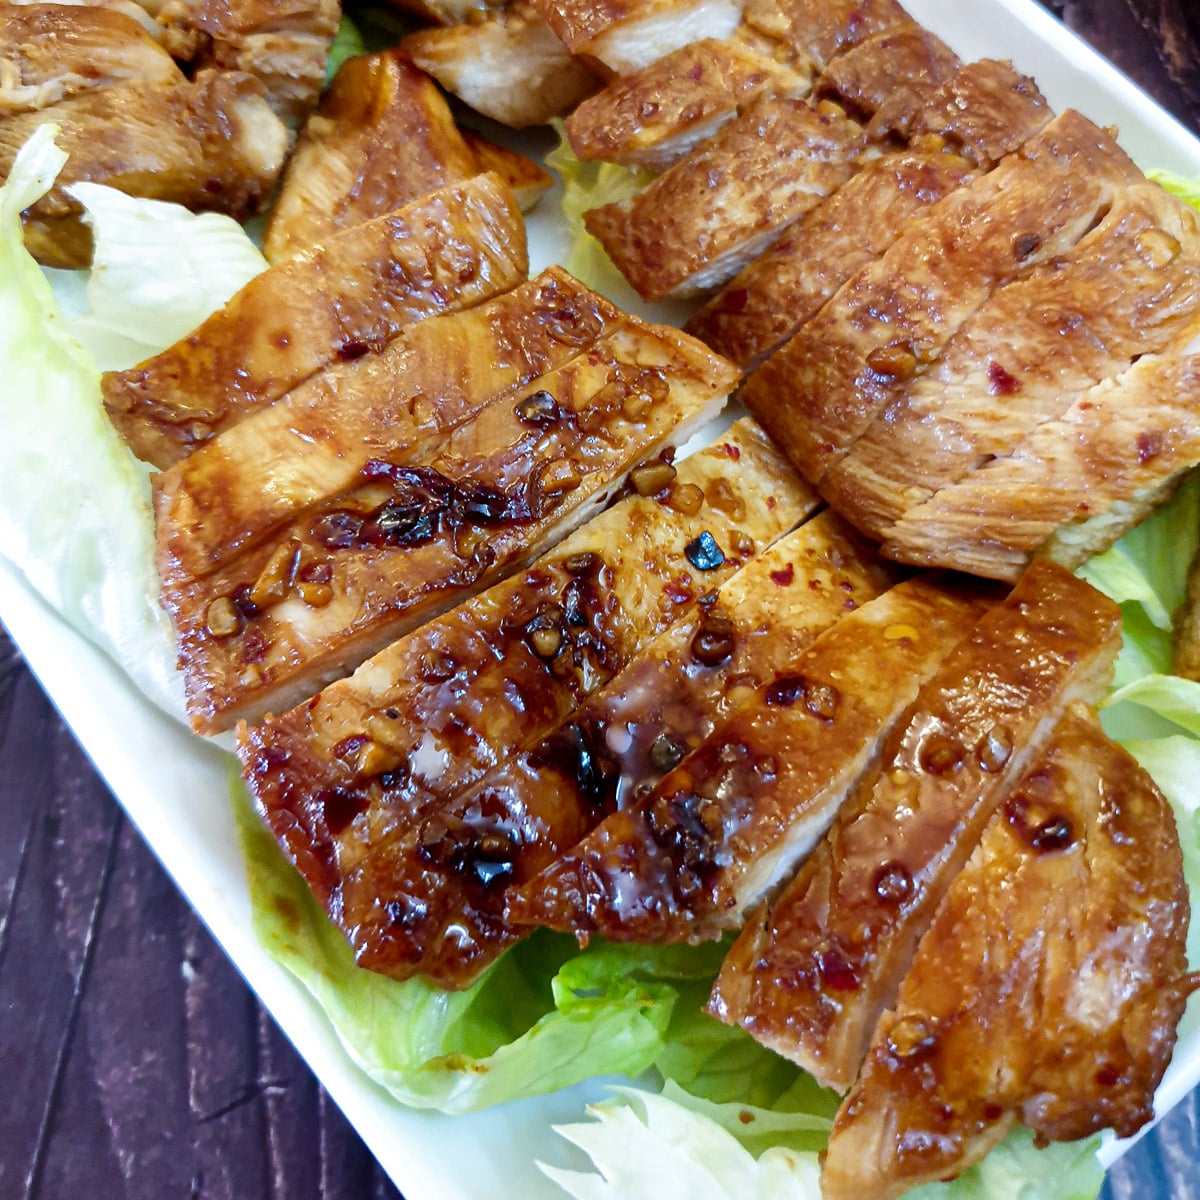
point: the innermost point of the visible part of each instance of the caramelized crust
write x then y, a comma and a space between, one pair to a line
788, 284
509, 66
1074, 485
897, 69
657, 115
823, 29
381, 137
726, 826
450, 250
1128, 288
313, 443
51, 51
415, 538
1048, 987
347, 780
811, 978
823, 388
211, 144
621, 740
529, 180
695, 225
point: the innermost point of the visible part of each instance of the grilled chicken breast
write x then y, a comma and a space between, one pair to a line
733, 819
823, 29
771, 297
51, 51
1048, 988
627, 35
618, 742
314, 442
824, 387
412, 539
349, 780
282, 43
381, 138
509, 66
1075, 484
1128, 288
452, 249
698, 223
657, 115
211, 144
812, 976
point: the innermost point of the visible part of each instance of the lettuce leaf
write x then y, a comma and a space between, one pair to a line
74, 502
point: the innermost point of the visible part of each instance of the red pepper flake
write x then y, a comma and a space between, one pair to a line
1149, 445
785, 577
735, 300
1000, 381
679, 591
254, 646
733, 452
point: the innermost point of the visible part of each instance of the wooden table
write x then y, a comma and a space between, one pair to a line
134, 1063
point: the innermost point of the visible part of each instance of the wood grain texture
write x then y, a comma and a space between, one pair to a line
136, 1064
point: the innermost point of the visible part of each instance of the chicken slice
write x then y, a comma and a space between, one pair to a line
346, 780
509, 66
334, 586
1128, 288
1048, 988
895, 71
628, 35
1074, 485
810, 978
448, 12
313, 443
659, 114
1185, 659
820, 391
623, 738
529, 180
51, 51
823, 29
788, 285
338, 302
283, 43
381, 138
733, 820
779, 291
697, 224
212, 144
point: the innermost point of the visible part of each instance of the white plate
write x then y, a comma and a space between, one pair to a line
173, 786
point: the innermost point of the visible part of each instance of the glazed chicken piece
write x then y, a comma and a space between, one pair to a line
1075, 484
509, 66
623, 738
811, 977
823, 29
454, 248
1129, 288
156, 140
529, 180
731, 822
779, 291
381, 138
313, 443
890, 73
659, 114
348, 781
51, 51
694, 226
411, 539
627, 35
820, 391
448, 12
1048, 988
283, 43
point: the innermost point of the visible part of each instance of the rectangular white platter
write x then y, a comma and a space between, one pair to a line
173, 786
